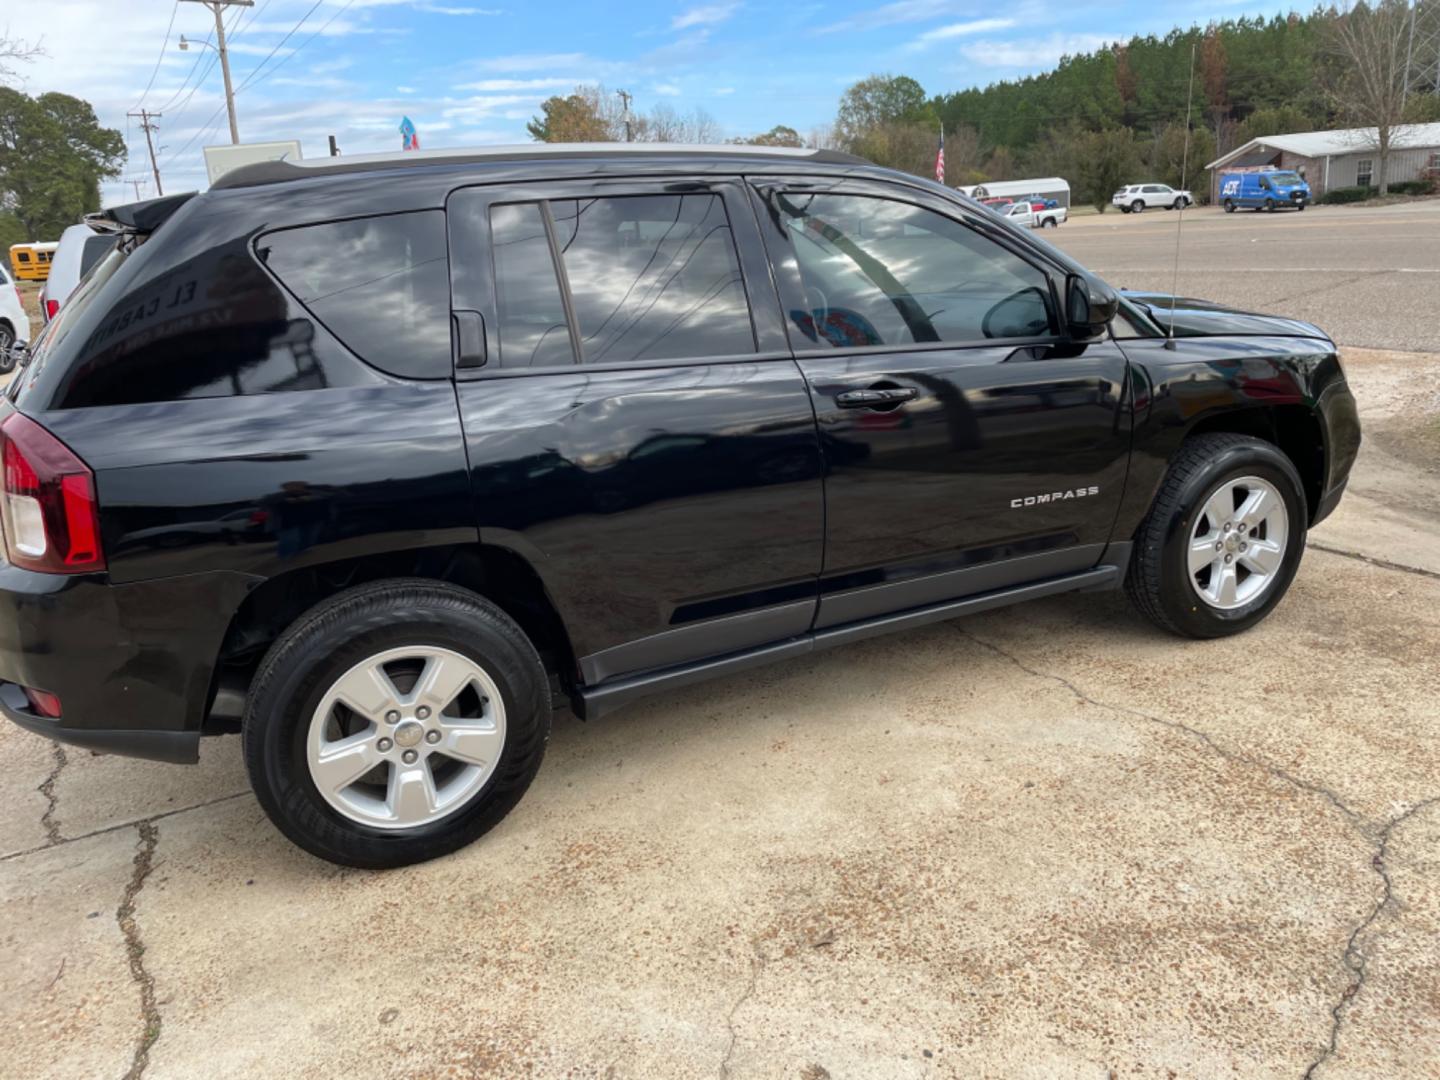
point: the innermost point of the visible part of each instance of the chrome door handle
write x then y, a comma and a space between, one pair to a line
875, 397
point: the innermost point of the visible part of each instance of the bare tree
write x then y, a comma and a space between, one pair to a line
14, 50
665, 125
1367, 80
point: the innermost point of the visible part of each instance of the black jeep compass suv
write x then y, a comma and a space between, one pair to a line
374, 459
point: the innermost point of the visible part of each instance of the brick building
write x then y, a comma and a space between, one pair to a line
1336, 159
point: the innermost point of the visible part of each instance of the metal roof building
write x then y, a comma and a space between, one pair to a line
1335, 159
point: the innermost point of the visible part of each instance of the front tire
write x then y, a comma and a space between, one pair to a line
1222, 541
394, 723
1269, 206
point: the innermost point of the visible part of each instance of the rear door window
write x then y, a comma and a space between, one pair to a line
649, 277
380, 284
534, 329
653, 277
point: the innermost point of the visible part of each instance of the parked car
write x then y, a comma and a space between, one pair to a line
606, 425
14, 323
1266, 190
1136, 197
81, 247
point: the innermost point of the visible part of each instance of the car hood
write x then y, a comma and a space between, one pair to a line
1203, 318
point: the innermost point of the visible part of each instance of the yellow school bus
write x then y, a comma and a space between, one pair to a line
31, 262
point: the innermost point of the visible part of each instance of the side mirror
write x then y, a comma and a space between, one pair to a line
1090, 304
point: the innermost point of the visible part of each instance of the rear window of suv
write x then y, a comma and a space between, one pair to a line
379, 284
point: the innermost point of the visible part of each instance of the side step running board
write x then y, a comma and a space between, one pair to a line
610, 695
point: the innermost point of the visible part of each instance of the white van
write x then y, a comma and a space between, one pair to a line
80, 248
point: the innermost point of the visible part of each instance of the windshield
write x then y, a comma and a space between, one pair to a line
1286, 178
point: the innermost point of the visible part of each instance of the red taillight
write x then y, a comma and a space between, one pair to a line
43, 702
51, 307
47, 504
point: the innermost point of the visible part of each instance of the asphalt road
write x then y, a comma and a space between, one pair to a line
1045, 842
1368, 276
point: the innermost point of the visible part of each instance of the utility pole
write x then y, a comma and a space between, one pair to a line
624, 96
137, 181
146, 126
218, 7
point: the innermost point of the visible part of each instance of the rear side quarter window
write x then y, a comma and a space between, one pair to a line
379, 284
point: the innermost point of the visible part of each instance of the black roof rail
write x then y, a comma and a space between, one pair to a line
275, 172
140, 217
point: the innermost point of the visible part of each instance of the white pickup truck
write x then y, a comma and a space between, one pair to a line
1024, 213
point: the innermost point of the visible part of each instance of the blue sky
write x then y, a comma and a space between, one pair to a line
473, 71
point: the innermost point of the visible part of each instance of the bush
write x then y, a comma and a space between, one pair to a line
1346, 195
1413, 187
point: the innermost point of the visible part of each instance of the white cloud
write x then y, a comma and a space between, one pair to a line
1032, 52
721, 91
495, 85
405, 89
532, 62
668, 89
956, 30
902, 11
706, 15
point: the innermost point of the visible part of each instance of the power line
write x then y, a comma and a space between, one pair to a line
165, 44
339, 11
249, 78
212, 123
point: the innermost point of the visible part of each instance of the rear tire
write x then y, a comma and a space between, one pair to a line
7, 340
1138, 206
431, 778
1170, 574
1229, 207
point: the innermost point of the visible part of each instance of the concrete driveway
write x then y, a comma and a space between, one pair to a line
1043, 842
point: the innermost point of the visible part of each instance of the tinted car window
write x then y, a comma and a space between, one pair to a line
533, 328
381, 285
881, 272
653, 277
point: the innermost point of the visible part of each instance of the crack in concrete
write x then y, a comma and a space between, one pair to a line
135, 948
757, 962
1384, 564
47, 788
1276, 771
1354, 957
122, 825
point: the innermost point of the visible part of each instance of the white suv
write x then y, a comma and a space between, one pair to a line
1136, 197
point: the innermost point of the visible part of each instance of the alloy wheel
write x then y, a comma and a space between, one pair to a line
1238, 543
406, 737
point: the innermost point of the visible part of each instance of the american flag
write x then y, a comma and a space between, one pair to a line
940, 158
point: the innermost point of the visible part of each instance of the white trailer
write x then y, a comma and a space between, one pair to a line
1048, 187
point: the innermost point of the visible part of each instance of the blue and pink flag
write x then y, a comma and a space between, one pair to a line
408, 133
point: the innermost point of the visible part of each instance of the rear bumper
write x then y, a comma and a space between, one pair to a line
180, 747
132, 664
